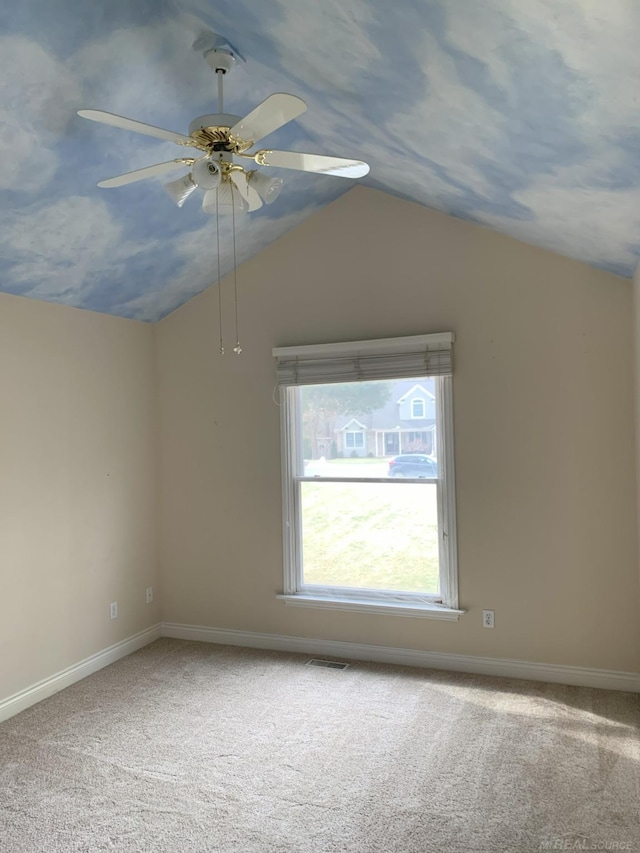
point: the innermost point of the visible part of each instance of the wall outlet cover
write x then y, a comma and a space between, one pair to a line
488, 619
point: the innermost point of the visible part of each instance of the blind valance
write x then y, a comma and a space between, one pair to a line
361, 361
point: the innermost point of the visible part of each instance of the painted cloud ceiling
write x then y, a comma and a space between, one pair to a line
522, 115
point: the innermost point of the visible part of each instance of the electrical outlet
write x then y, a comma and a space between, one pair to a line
149, 595
114, 609
488, 619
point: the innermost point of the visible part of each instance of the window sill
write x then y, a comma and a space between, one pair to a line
424, 611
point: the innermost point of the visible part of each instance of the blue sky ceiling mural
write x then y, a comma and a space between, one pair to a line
519, 114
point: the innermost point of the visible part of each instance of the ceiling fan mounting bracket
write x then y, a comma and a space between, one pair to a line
220, 59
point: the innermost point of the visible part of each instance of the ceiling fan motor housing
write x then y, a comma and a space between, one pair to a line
213, 130
214, 120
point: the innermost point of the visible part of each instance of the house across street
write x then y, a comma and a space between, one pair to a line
403, 421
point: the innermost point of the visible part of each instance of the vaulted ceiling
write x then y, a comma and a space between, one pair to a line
522, 115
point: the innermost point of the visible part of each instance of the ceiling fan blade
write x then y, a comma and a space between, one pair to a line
313, 163
136, 126
268, 116
247, 192
141, 174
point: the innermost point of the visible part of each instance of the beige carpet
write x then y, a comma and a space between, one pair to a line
186, 747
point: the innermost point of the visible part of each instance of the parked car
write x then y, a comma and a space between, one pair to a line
413, 465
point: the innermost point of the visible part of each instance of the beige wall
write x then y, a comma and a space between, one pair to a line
544, 427
544, 423
636, 362
77, 493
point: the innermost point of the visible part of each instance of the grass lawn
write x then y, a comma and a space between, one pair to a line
377, 535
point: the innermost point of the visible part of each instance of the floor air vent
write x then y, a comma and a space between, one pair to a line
328, 664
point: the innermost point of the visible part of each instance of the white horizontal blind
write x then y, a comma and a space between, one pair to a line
361, 361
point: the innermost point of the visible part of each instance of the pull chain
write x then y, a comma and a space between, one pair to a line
219, 281
237, 348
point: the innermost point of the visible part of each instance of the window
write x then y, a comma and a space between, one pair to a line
368, 531
354, 440
417, 408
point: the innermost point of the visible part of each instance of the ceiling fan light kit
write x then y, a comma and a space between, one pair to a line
223, 198
267, 188
222, 139
206, 174
180, 190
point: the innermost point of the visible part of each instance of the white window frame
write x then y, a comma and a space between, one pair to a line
295, 592
422, 401
354, 433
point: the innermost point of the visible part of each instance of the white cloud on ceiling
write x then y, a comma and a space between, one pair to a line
480, 30
326, 42
597, 40
37, 93
148, 69
452, 126
60, 246
575, 213
572, 221
600, 41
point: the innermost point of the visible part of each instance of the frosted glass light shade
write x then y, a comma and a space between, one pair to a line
225, 195
180, 190
268, 188
206, 174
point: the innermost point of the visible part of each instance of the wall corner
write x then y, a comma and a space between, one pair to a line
636, 391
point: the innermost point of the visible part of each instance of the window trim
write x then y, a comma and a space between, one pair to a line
425, 611
447, 496
423, 403
354, 433
443, 606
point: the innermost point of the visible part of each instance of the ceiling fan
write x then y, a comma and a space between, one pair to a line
222, 139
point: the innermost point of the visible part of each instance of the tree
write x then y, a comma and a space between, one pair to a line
323, 404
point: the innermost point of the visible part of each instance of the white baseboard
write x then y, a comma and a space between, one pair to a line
575, 675
66, 677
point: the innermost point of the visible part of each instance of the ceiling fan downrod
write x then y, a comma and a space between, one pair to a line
221, 60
